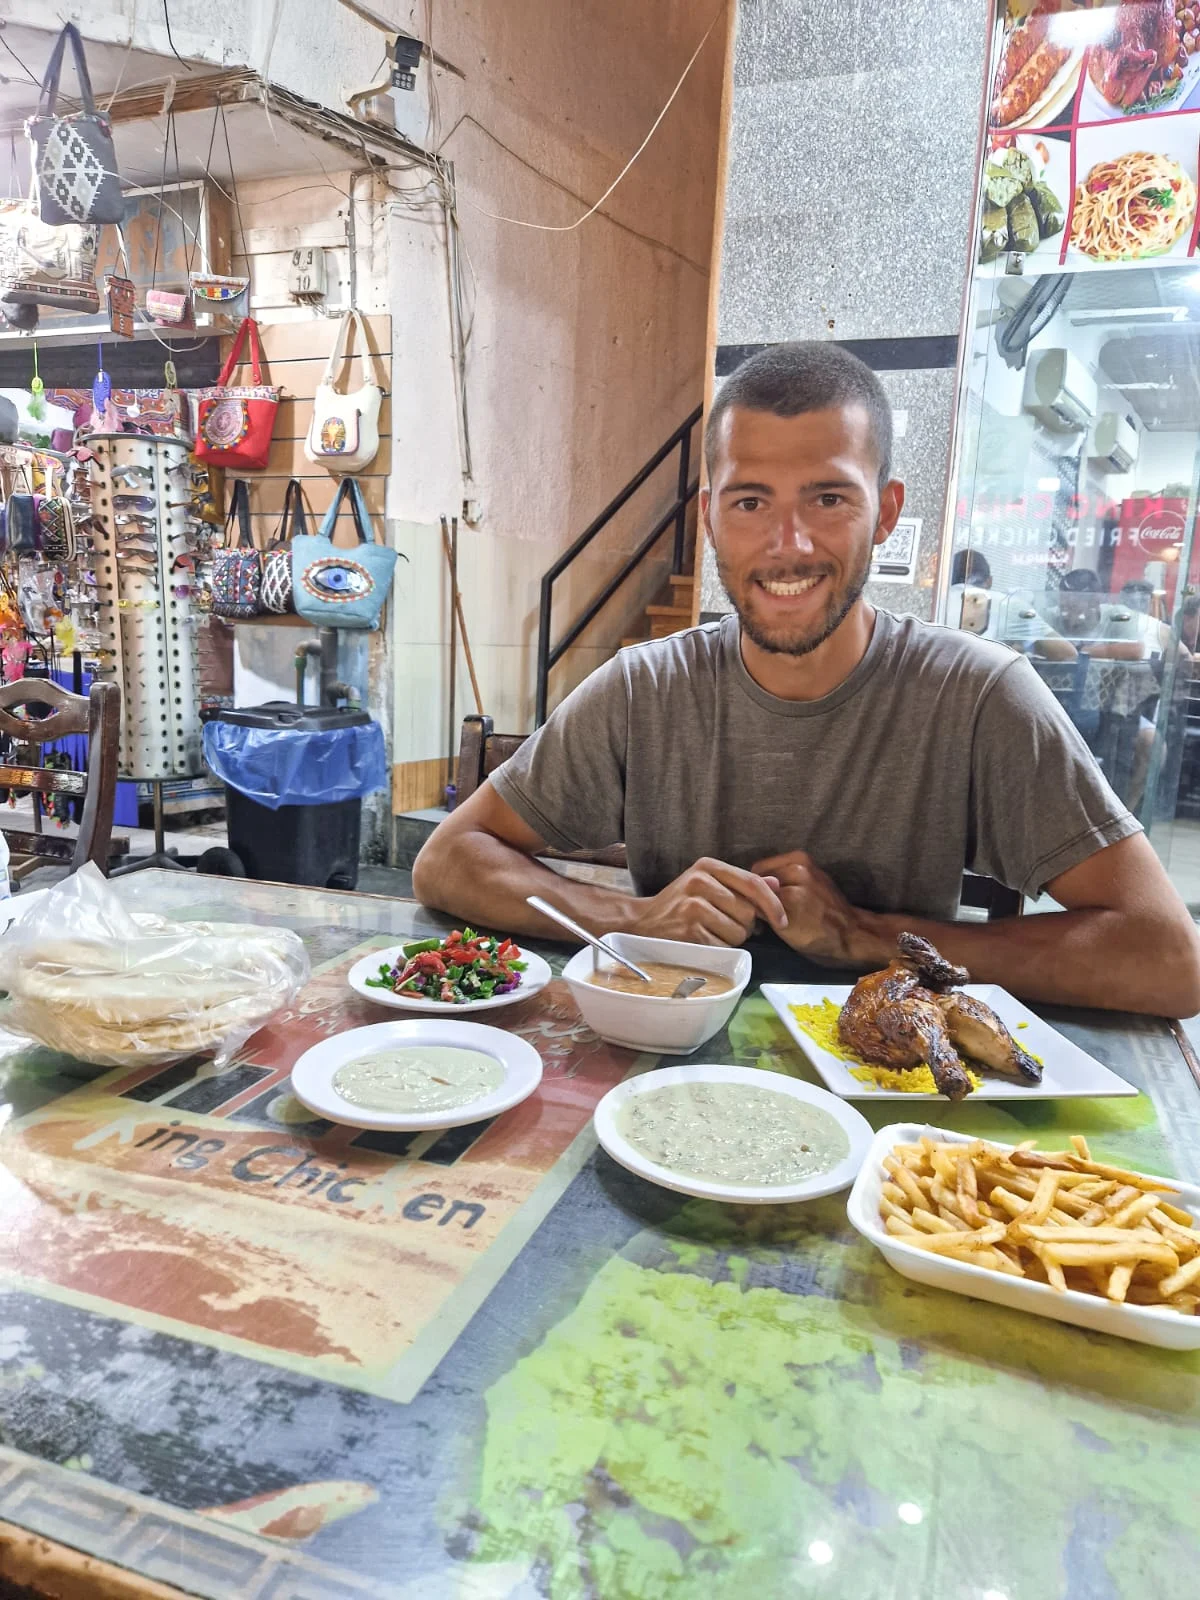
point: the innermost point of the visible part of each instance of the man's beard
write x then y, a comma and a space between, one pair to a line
780, 642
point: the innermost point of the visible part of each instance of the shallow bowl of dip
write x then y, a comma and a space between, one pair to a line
407, 1077
745, 1135
655, 1022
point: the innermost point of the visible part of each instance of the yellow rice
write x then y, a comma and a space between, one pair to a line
821, 1024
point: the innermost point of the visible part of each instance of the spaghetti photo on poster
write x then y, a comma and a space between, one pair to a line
1135, 192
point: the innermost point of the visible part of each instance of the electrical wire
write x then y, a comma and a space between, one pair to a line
36, 82
187, 66
433, 121
569, 227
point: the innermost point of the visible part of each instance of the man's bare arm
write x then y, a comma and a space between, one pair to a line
479, 866
1124, 942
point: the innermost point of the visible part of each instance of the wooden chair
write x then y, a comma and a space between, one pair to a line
481, 751
98, 715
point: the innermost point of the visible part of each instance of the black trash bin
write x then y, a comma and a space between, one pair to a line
316, 844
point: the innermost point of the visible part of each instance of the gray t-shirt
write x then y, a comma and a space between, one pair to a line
940, 751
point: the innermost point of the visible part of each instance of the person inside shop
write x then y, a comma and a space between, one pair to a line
817, 765
1121, 629
1189, 627
1011, 618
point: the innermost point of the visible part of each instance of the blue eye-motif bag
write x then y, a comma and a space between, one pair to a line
342, 588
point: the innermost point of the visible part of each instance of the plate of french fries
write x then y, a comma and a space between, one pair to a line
1054, 1232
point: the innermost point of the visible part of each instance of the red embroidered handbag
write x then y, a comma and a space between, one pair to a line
234, 424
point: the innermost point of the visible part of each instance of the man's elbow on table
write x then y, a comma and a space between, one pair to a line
460, 865
1167, 963
1184, 978
435, 870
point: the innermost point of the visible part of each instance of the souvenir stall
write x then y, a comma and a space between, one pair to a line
129, 535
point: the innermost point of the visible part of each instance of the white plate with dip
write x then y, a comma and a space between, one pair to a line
1067, 1071
536, 976
413, 1082
616, 1121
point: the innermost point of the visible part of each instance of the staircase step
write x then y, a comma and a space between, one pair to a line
664, 627
641, 639
682, 612
682, 582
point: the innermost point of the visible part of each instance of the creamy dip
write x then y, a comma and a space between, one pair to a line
418, 1077
732, 1133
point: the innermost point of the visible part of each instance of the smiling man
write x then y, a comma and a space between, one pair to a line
815, 764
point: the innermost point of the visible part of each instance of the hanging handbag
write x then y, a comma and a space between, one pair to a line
22, 514
216, 289
237, 569
234, 424
335, 588
42, 265
75, 177
55, 518
23, 524
170, 309
277, 558
343, 434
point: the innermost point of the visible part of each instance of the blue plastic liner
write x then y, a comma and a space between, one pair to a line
297, 766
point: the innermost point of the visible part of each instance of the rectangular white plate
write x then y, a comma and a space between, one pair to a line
1169, 1329
1069, 1071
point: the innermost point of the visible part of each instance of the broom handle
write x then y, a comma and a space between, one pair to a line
462, 621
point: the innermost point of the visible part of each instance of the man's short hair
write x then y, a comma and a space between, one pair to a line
971, 567
1082, 580
812, 375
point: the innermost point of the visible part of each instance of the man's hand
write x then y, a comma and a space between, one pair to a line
711, 903
821, 922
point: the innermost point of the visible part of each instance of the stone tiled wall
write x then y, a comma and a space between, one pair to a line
850, 177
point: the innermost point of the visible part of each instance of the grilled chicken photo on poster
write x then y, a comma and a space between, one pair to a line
1143, 60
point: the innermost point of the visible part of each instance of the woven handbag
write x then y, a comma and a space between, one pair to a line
75, 177
42, 265
237, 569
58, 541
277, 558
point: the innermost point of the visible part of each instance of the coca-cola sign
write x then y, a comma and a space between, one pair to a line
1156, 529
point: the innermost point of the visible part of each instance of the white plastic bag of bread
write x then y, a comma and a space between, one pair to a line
115, 988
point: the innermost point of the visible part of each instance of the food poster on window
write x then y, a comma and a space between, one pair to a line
1094, 131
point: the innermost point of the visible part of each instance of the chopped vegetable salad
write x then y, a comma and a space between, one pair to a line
463, 967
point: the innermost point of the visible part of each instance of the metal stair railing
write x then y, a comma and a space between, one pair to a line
549, 655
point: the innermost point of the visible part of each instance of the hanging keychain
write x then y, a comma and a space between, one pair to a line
37, 390
104, 413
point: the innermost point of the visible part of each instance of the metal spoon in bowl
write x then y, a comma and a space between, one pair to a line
687, 987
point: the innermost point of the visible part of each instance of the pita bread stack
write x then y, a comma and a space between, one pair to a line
173, 989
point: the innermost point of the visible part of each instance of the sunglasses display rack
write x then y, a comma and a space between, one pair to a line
142, 530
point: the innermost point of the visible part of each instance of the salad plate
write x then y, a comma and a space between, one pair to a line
460, 973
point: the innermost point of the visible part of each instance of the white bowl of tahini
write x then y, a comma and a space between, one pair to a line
655, 1022
746, 1135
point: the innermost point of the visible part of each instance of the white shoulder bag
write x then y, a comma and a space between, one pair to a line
344, 432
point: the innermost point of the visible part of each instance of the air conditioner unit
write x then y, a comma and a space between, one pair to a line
1059, 391
1113, 444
